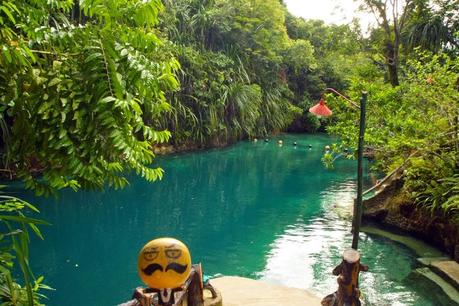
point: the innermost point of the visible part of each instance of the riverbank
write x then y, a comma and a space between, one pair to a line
166, 148
433, 264
393, 210
403, 222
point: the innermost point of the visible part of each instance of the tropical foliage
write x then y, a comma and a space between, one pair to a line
89, 87
433, 26
236, 59
82, 86
14, 248
412, 114
79, 100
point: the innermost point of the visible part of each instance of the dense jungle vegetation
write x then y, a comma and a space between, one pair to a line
88, 87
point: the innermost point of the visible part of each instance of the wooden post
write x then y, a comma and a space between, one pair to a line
348, 270
195, 296
190, 293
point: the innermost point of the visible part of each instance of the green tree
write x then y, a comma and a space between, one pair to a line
433, 27
234, 57
414, 125
82, 87
392, 18
80, 102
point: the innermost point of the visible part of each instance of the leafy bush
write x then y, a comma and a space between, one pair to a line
80, 101
433, 181
417, 118
14, 240
82, 88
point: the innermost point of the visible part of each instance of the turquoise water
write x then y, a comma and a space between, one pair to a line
255, 210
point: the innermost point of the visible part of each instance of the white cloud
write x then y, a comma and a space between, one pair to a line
330, 11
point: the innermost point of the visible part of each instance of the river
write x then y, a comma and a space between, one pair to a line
256, 210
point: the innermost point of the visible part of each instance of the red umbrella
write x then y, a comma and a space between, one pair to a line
320, 109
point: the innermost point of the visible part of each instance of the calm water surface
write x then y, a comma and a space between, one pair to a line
255, 210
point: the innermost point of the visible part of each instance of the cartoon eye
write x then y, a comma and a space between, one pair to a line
150, 254
173, 253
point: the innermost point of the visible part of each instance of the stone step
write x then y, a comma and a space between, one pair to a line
449, 289
448, 269
445, 267
426, 261
421, 248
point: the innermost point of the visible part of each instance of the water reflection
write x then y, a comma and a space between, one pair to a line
299, 256
304, 255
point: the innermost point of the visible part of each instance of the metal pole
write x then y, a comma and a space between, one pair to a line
358, 202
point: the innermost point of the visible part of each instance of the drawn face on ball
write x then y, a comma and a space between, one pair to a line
164, 263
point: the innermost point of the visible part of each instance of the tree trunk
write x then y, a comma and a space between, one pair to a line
392, 63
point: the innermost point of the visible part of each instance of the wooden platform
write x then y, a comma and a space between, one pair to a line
239, 291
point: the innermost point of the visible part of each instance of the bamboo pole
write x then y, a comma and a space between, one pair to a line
358, 202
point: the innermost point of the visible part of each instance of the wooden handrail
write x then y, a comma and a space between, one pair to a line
390, 174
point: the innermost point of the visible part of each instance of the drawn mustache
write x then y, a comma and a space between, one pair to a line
151, 268
176, 267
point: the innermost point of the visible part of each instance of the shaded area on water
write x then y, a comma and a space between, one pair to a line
254, 209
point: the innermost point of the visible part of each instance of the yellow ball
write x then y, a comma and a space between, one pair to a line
164, 263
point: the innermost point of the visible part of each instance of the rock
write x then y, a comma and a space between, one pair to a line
239, 291
391, 208
448, 269
212, 301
